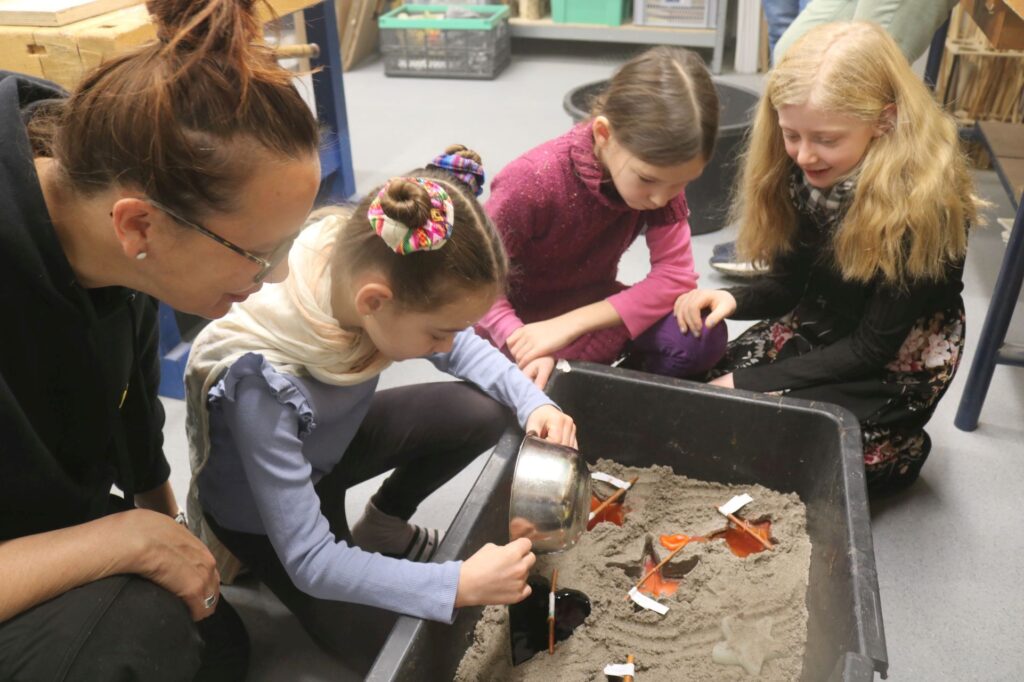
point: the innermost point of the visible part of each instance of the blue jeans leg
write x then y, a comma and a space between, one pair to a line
779, 14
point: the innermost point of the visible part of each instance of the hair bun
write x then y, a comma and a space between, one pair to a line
463, 151
464, 164
406, 201
215, 25
412, 214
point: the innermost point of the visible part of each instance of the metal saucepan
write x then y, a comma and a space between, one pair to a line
550, 500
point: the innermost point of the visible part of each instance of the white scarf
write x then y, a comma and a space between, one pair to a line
292, 326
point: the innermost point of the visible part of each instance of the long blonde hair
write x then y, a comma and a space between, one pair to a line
913, 200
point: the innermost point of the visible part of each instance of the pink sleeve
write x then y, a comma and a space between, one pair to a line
671, 274
517, 198
500, 321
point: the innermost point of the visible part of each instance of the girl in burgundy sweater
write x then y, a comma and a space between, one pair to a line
568, 209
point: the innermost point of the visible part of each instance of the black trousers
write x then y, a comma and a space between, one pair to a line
427, 433
122, 628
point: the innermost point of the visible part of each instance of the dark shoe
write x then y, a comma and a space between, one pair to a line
724, 259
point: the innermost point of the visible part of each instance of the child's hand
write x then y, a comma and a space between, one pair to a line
533, 341
724, 380
690, 305
496, 575
551, 424
539, 370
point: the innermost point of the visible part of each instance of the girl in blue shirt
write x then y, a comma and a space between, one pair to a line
284, 415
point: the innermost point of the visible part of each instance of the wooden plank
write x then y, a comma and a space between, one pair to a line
64, 53
1006, 139
362, 33
55, 12
1003, 26
1013, 170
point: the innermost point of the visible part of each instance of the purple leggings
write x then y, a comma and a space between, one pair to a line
662, 349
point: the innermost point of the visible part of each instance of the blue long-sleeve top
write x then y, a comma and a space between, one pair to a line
273, 436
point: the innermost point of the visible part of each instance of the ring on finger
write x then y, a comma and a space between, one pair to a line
210, 601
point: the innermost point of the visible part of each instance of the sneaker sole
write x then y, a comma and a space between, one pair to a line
739, 268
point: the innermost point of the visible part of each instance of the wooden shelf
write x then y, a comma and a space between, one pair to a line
714, 38
626, 33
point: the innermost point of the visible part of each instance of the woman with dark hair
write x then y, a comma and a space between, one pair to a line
181, 172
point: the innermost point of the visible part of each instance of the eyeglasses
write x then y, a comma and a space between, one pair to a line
267, 264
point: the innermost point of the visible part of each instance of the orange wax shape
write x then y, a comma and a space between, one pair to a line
613, 513
657, 585
740, 542
674, 542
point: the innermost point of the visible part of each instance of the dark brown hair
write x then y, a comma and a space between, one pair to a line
472, 258
662, 107
184, 119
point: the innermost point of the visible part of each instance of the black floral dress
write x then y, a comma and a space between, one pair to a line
886, 353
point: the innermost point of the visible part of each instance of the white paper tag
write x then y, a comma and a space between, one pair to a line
551, 604
735, 504
608, 478
646, 602
620, 669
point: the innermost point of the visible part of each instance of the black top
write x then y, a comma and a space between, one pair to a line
79, 368
851, 329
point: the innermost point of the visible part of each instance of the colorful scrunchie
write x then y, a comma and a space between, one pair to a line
467, 170
429, 236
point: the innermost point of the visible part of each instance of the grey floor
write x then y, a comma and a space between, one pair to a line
948, 551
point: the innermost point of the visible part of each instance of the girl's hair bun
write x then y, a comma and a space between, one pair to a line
463, 164
406, 202
463, 151
209, 26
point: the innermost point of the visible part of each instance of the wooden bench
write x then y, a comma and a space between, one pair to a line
1005, 144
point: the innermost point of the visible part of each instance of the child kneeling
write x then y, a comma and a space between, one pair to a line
284, 413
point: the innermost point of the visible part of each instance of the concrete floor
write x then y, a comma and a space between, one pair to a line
948, 551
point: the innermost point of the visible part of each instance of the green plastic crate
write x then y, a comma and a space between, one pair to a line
438, 46
605, 12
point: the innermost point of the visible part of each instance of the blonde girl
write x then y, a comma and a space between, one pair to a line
855, 192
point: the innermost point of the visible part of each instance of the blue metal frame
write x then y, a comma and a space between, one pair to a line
992, 347
329, 92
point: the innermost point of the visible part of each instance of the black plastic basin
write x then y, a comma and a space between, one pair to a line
701, 431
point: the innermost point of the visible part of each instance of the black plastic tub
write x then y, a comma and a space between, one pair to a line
708, 196
735, 437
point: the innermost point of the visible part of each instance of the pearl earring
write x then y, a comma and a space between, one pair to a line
141, 255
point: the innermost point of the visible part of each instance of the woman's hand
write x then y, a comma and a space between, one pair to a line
539, 370
174, 559
496, 575
533, 341
690, 305
553, 425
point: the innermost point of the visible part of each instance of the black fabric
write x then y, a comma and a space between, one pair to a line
119, 629
892, 405
851, 329
400, 431
79, 368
